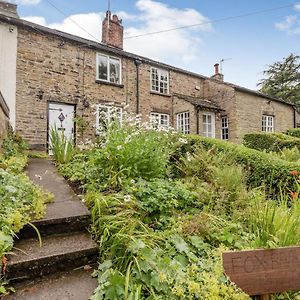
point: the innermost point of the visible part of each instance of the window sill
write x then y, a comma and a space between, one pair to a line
160, 94
109, 83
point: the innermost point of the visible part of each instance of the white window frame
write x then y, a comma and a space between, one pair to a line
183, 122
157, 120
267, 123
224, 128
111, 113
205, 123
108, 68
159, 73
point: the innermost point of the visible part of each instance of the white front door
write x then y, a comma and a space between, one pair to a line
61, 117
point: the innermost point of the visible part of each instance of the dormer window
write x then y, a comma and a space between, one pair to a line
108, 68
159, 81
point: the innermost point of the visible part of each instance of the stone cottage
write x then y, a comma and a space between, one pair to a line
48, 76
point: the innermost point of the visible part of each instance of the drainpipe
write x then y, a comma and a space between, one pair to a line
197, 121
137, 63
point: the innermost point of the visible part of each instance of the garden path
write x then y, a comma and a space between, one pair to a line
60, 268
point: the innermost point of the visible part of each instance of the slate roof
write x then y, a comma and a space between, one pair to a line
200, 102
116, 51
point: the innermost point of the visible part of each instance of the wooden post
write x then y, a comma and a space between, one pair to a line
265, 297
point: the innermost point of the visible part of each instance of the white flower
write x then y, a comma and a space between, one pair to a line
119, 147
83, 200
127, 198
132, 181
183, 141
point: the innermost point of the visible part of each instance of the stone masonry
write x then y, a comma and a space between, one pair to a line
58, 67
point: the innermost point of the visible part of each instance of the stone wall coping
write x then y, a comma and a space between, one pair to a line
4, 106
98, 46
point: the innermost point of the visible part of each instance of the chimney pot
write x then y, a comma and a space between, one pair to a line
217, 69
217, 75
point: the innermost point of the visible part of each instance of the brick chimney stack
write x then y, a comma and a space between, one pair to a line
112, 31
218, 75
8, 9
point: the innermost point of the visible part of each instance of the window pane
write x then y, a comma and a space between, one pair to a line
102, 67
114, 66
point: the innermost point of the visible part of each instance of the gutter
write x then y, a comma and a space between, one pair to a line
137, 63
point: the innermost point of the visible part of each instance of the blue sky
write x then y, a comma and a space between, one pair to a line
250, 43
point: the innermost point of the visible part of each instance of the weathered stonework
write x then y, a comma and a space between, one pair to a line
56, 67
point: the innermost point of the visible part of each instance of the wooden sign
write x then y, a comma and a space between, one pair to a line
262, 272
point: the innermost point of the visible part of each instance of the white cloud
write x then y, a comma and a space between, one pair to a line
90, 22
180, 47
291, 24
25, 2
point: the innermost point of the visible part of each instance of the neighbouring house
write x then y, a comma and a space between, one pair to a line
48, 76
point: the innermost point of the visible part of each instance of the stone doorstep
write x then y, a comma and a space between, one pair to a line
54, 226
58, 253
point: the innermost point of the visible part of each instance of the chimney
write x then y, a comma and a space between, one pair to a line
218, 75
8, 9
112, 31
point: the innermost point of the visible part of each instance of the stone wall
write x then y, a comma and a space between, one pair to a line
4, 118
250, 109
50, 69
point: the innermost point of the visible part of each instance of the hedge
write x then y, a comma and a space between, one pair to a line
295, 132
270, 141
261, 168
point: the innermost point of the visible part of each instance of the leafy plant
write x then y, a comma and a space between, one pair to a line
275, 223
61, 147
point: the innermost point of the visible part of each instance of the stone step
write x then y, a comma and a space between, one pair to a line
51, 226
73, 285
57, 253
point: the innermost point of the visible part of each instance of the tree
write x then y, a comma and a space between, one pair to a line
283, 80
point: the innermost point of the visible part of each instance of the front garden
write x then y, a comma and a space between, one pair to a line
165, 206
20, 200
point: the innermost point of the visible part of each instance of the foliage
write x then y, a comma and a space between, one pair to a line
161, 219
275, 223
160, 199
295, 132
21, 201
283, 79
261, 169
291, 155
270, 141
139, 263
61, 147
122, 154
13, 145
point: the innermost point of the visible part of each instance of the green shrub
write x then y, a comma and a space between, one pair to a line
121, 155
139, 263
261, 169
270, 141
161, 198
13, 145
294, 132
